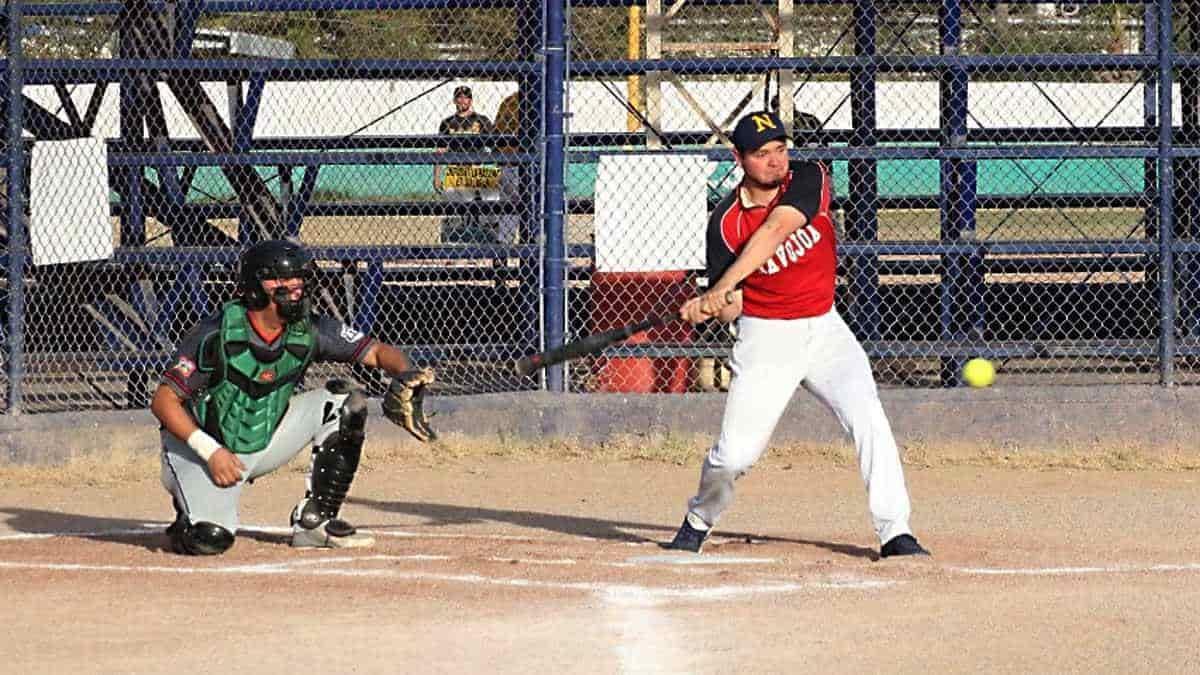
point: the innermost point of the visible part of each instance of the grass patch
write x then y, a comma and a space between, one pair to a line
117, 466
1013, 456
674, 449
107, 469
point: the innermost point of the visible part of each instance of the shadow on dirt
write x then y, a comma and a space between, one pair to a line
439, 515
139, 533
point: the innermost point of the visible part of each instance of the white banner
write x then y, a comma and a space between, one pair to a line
68, 202
651, 212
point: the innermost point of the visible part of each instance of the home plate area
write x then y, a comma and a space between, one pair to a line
635, 570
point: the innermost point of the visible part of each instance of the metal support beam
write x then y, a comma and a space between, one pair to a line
862, 211
786, 48
1166, 176
554, 287
18, 240
1187, 182
962, 285
655, 23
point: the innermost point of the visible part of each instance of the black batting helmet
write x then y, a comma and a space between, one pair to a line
272, 259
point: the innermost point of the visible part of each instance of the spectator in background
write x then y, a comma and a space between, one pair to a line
805, 125
466, 182
508, 121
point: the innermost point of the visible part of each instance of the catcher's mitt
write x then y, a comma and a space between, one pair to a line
404, 403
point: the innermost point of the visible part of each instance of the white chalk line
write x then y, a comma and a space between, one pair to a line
628, 594
1070, 571
693, 559
406, 534
402, 534
154, 529
26, 536
532, 561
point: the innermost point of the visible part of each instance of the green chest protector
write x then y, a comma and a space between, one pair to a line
250, 386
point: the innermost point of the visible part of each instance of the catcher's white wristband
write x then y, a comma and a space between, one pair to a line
203, 444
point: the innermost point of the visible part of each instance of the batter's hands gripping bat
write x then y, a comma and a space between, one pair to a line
592, 344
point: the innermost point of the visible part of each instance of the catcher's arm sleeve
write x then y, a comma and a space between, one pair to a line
169, 409
391, 359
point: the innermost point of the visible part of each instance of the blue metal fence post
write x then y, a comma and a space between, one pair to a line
133, 217
961, 286
241, 143
862, 205
554, 287
187, 15
1166, 193
17, 239
1150, 119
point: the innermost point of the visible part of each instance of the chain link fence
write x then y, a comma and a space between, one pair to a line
400, 145
998, 170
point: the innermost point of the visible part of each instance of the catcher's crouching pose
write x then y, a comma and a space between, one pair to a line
229, 415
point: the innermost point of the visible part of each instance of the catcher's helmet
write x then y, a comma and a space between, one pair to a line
273, 259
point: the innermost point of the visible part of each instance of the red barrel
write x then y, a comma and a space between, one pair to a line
621, 298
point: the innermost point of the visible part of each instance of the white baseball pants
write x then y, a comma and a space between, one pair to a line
771, 358
310, 418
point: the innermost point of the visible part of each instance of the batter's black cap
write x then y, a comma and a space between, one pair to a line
757, 129
462, 90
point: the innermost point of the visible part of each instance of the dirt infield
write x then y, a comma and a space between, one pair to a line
532, 564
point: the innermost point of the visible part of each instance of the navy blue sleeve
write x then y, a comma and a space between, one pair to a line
718, 256
184, 373
808, 188
338, 342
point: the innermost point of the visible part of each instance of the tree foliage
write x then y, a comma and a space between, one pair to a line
602, 32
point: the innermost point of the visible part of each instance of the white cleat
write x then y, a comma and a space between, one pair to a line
333, 533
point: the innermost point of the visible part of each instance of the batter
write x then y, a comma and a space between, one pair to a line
772, 264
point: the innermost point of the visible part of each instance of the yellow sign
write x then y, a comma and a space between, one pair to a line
474, 176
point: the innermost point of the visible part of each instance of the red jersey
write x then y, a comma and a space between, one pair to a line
798, 281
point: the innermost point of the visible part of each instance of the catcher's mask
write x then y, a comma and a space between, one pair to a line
276, 259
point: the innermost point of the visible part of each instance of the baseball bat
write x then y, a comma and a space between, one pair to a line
591, 344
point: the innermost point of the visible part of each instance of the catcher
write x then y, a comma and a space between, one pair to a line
230, 414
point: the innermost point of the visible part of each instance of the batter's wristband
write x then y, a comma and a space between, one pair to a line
203, 444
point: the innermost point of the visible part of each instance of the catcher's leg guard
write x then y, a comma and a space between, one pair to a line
315, 520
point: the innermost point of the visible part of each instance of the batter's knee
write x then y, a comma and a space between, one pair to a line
733, 463
201, 538
869, 418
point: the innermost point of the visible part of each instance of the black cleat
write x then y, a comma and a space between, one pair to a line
903, 544
688, 538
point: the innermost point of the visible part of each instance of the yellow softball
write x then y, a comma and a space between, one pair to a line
979, 373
